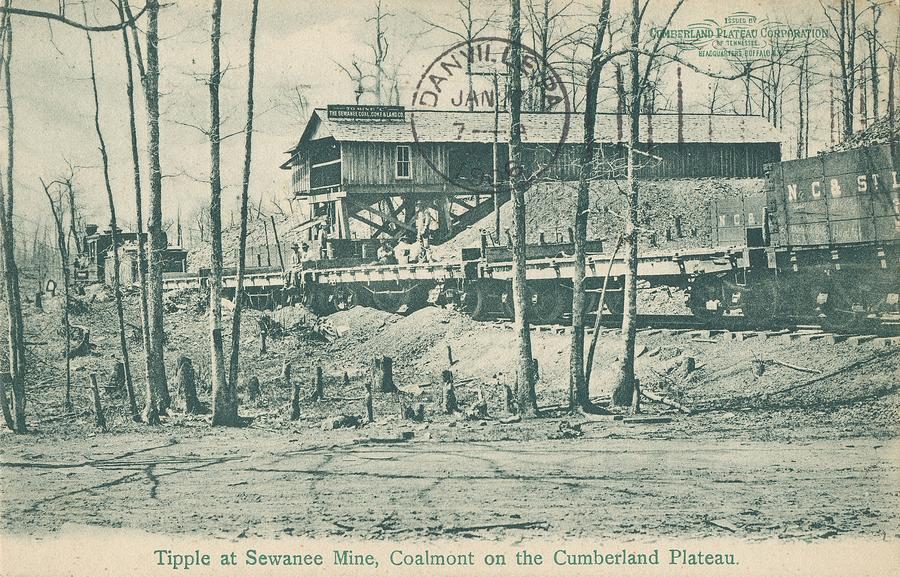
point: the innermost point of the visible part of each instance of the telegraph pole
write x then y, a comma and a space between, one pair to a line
496, 171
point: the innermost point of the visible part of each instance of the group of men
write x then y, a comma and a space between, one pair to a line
408, 251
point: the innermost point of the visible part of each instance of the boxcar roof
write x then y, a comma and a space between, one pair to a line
540, 128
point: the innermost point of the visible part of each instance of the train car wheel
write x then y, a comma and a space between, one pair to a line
614, 301
389, 301
545, 303
400, 302
475, 301
706, 299
344, 297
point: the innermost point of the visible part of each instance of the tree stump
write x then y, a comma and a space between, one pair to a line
687, 366
116, 384
319, 392
285, 378
295, 403
509, 398
84, 345
450, 360
449, 404
98, 408
481, 407
370, 413
623, 393
636, 397
410, 410
346, 380
187, 386
253, 388
383, 375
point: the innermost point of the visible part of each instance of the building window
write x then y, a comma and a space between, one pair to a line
403, 165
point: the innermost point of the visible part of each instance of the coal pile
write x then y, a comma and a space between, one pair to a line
674, 214
879, 132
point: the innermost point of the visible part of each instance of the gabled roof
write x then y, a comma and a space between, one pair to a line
539, 128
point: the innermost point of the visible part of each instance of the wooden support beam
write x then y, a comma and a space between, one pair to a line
385, 216
376, 228
456, 200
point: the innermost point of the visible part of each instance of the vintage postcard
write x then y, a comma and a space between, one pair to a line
449, 288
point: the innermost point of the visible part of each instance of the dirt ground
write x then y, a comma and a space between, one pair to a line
790, 454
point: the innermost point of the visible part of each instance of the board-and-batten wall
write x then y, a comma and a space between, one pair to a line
373, 163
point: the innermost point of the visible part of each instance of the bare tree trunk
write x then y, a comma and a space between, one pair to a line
117, 288
873, 61
527, 400
224, 402
64, 259
242, 241
831, 110
623, 394
577, 381
158, 399
846, 58
801, 119
16, 330
138, 200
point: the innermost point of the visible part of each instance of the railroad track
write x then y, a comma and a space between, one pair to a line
739, 328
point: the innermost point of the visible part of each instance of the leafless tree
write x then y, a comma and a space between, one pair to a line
158, 400
242, 240
138, 196
15, 420
577, 381
224, 403
525, 377
843, 21
467, 26
57, 210
380, 70
114, 232
547, 21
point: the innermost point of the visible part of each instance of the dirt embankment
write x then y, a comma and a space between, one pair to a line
549, 209
860, 402
751, 457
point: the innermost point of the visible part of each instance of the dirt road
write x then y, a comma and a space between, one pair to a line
249, 483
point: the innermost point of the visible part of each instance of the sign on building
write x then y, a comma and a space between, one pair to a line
365, 112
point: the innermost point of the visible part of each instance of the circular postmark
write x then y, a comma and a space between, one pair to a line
460, 104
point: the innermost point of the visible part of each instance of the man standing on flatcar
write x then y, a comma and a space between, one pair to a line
426, 225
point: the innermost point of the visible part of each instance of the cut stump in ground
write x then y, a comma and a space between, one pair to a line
253, 388
285, 378
295, 403
116, 384
187, 386
383, 374
319, 391
449, 404
98, 408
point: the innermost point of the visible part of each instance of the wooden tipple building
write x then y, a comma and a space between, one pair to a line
363, 171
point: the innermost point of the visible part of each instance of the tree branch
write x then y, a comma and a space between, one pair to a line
73, 23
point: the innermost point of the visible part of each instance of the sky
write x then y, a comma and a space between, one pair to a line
299, 46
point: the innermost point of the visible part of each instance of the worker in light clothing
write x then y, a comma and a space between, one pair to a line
426, 225
407, 251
